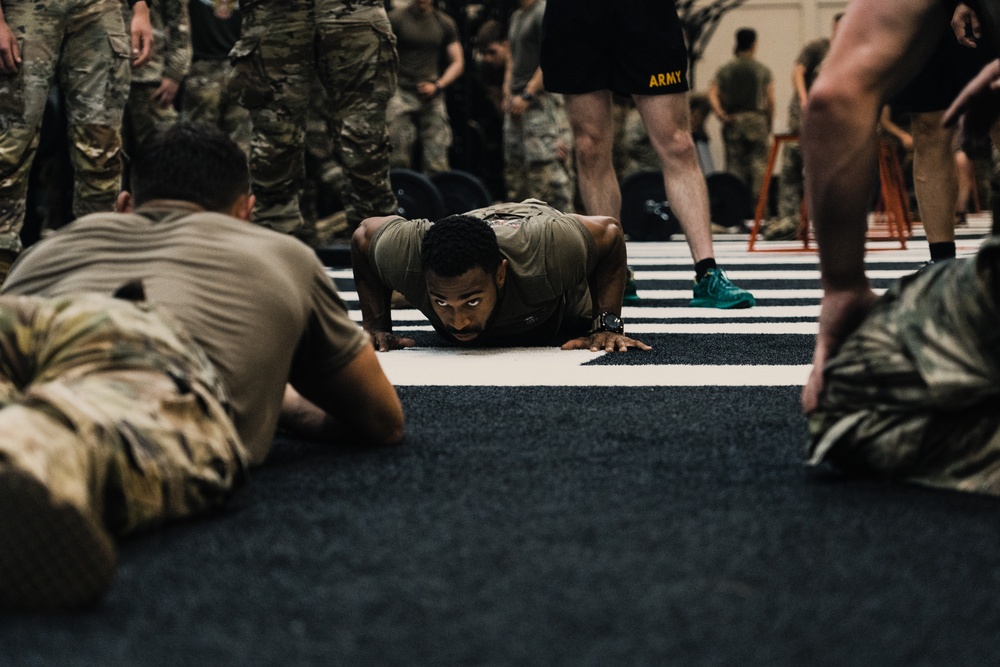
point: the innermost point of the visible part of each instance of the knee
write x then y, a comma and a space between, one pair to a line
832, 102
592, 149
677, 147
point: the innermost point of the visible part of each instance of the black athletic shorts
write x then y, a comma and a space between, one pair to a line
630, 47
942, 78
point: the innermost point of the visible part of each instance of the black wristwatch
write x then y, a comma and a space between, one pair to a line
608, 321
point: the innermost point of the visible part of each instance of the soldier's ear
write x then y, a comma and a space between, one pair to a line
501, 276
242, 208
124, 202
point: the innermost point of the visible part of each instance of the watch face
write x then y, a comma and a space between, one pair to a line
613, 323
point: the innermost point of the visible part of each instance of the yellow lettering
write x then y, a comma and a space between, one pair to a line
674, 77
662, 79
652, 81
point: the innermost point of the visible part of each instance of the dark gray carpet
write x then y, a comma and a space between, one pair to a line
546, 526
560, 526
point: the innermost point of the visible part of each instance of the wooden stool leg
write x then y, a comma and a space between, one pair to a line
766, 186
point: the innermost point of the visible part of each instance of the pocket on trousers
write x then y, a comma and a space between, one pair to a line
247, 80
120, 74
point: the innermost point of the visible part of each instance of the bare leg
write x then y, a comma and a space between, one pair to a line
966, 177
668, 121
593, 135
935, 176
879, 46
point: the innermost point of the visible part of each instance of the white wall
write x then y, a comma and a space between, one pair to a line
783, 28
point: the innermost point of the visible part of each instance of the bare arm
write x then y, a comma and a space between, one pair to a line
355, 403
978, 105
607, 284
456, 65
177, 51
142, 34
799, 83
715, 100
374, 297
535, 86
769, 104
10, 52
887, 124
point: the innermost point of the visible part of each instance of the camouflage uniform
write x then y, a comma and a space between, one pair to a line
790, 190
742, 84
326, 183
409, 114
84, 46
745, 137
532, 166
284, 46
912, 394
207, 99
115, 410
171, 59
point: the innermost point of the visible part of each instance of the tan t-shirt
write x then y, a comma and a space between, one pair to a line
258, 302
549, 256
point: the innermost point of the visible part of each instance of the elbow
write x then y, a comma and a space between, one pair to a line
390, 429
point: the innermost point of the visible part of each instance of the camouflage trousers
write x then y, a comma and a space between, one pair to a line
206, 98
410, 117
791, 184
746, 142
143, 117
82, 46
912, 395
537, 150
282, 51
115, 410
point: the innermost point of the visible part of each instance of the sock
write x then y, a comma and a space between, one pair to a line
943, 250
703, 266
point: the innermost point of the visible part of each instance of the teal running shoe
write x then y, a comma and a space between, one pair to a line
631, 296
715, 290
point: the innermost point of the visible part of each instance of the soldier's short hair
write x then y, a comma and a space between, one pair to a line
490, 32
195, 163
745, 39
458, 243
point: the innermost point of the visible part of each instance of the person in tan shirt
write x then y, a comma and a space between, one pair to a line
258, 321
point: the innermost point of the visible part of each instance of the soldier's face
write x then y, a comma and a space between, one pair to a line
422, 6
465, 303
494, 55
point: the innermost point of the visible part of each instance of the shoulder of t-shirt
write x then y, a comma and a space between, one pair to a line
449, 23
392, 221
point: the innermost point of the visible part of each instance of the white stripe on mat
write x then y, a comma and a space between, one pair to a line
532, 367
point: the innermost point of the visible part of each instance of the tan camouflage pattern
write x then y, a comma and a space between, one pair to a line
207, 99
791, 184
143, 117
746, 140
115, 409
82, 45
171, 58
912, 395
284, 46
410, 116
533, 166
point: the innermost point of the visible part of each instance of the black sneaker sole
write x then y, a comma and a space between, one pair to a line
52, 556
